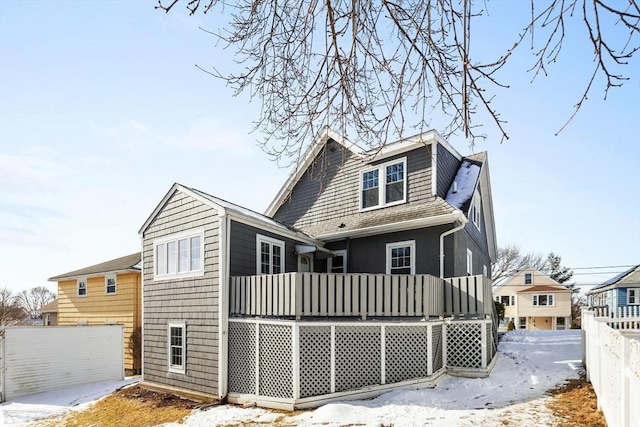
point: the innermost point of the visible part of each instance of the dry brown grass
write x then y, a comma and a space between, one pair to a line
131, 406
575, 403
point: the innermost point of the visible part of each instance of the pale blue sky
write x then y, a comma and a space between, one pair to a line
102, 109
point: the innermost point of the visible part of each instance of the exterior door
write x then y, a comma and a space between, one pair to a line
305, 263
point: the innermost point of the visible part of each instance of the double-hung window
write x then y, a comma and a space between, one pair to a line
528, 278
338, 264
474, 210
110, 284
270, 255
179, 255
540, 300
633, 296
383, 185
177, 347
82, 287
401, 257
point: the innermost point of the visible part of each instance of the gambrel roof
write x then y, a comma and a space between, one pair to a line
119, 265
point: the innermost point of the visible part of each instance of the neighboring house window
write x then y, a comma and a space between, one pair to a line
540, 300
82, 287
338, 263
179, 255
469, 262
560, 323
528, 278
401, 257
110, 284
270, 255
474, 210
513, 300
633, 296
505, 300
383, 185
177, 347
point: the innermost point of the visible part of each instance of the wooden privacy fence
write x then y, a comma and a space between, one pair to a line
359, 295
612, 360
328, 294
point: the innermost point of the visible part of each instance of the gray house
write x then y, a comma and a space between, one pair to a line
276, 309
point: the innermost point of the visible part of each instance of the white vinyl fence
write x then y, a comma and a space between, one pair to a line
612, 359
35, 359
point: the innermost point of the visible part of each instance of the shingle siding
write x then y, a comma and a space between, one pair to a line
328, 193
243, 250
447, 168
191, 300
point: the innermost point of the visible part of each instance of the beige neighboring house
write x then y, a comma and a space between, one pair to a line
49, 313
534, 301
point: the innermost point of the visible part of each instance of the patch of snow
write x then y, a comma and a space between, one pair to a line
24, 410
529, 364
464, 184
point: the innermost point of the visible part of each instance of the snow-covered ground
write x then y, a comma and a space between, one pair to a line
529, 364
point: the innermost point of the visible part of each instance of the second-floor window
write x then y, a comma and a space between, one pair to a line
82, 287
633, 296
508, 300
179, 255
540, 300
270, 255
474, 210
383, 185
110, 284
528, 278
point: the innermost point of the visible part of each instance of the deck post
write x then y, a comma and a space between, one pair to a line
298, 295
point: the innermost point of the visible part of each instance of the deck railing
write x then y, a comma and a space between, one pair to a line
362, 295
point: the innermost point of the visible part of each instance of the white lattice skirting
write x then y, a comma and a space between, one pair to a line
297, 364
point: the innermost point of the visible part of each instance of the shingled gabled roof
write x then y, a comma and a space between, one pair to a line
122, 264
631, 277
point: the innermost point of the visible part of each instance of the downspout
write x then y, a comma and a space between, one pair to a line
223, 303
463, 221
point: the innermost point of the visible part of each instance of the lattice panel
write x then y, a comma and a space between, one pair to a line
242, 358
436, 340
315, 360
491, 345
405, 353
357, 357
464, 346
276, 366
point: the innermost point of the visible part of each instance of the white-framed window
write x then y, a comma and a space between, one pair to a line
528, 278
505, 300
383, 185
469, 262
542, 300
633, 296
270, 255
176, 349
401, 257
338, 263
179, 255
110, 284
82, 287
513, 300
475, 210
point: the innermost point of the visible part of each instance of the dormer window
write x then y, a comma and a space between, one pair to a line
391, 191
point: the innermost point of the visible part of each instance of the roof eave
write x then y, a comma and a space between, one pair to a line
95, 274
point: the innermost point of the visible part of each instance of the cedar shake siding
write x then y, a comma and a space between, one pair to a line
243, 250
447, 169
192, 300
326, 199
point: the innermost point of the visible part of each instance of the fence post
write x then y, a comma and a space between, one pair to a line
297, 289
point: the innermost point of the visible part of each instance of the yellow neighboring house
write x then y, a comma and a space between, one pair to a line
105, 293
534, 301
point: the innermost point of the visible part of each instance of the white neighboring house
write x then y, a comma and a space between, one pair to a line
534, 301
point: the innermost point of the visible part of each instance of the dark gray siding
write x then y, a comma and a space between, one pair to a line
369, 254
243, 250
329, 191
193, 301
447, 168
479, 236
456, 255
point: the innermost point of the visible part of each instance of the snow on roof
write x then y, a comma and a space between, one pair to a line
463, 185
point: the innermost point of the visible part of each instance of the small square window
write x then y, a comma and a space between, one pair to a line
469, 262
401, 257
